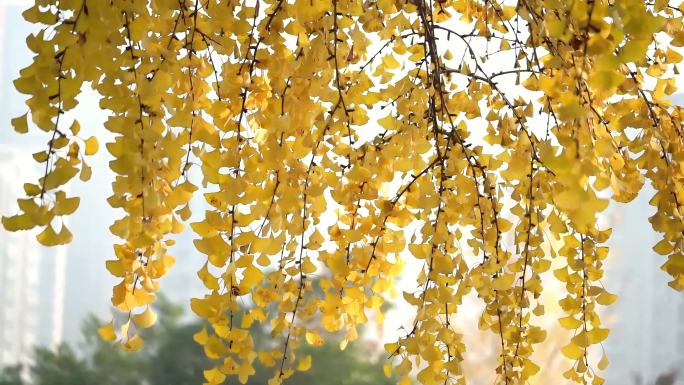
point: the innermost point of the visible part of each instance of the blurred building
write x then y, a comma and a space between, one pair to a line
647, 321
89, 285
32, 277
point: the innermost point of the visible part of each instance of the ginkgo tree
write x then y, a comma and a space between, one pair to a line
464, 134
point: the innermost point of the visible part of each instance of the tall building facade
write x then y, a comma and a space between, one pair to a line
647, 321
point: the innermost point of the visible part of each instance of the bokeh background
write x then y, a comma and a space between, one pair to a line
52, 300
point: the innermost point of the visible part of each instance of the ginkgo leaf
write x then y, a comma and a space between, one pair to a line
40, 157
536, 335
570, 322
107, 332
503, 282
387, 369
31, 189
606, 298
75, 127
313, 338
214, 376
201, 337
597, 335
64, 205
20, 124
664, 247
145, 319
530, 368
18, 222
86, 173
91, 146
572, 351
308, 267
48, 237
244, 371
304, 364
134, 343
251, 276
207, 278
420, 251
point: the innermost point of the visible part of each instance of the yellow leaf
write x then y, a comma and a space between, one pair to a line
275, 380
597, 335
201, 337
40, 157
64, 205
244, 371
145, 319
250, 277
18, 222
307, 266
75, 127
107, 332
572, 351
389, 62
503, 282
214, 376
116, 268
581, 339
210, 282
673, 56
570, 322
536, 335
31, 189
134, 343
91, 146
313, 338
504, 225
603, 363
20, 124
263, 260
664, 247
391, 348
420, 251
606, 298
387, 369
63, 172
315, 241
530, 369
304, 364
86, 173
49, 237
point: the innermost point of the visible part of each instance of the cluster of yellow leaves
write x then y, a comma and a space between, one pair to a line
457, 133
52, 81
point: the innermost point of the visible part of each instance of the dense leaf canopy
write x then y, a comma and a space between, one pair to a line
344, 139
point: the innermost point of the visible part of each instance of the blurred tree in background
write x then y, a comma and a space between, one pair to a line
172, 357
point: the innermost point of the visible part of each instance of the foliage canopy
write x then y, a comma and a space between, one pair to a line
465, 134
